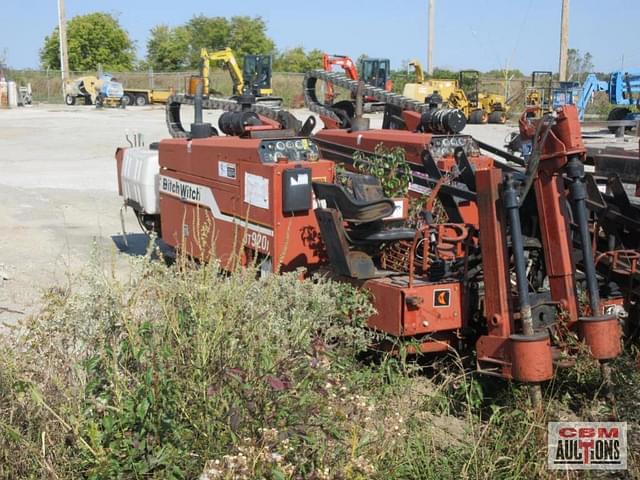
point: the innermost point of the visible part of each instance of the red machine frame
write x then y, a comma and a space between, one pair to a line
207, 212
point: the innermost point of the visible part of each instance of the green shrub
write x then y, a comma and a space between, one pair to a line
155, 375
389, 166
182, 372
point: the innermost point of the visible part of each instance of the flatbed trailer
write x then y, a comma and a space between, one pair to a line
142, 96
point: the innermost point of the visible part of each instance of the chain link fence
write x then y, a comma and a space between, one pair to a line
46, 85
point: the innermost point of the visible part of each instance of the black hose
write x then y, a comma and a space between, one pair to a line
578, 192
534, 160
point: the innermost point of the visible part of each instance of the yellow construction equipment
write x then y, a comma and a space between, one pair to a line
477, 107
422, 88
493, 107
145, 96
253, 79
538, 97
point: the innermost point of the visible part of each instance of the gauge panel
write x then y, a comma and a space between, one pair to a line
293, 150
444, 146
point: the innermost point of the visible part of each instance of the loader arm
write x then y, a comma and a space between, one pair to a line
229, 60
417, 67
590, 86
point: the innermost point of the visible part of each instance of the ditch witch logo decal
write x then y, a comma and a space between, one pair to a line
442, 297
184, 190
587, 445
202, 195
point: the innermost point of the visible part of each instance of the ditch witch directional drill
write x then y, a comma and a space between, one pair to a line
269, 194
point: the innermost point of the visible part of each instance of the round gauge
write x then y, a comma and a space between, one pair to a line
289, 144
298, 144
446, 142
280, 145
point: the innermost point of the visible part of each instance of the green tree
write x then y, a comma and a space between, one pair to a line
514, 73
297, 60
212, 33
578, 65
443, 73
314, 59
96, 38
173, 49
168, 48
249, 36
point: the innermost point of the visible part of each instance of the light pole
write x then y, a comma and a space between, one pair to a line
564, 41
430, 45
64, 56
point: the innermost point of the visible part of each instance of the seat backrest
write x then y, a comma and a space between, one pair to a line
366, 187
352, 210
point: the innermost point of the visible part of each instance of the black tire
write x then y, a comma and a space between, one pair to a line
478, 117
618, 113
141, 100
498, 117
87, 100
347, 106
128, 98
99, 101
70, 100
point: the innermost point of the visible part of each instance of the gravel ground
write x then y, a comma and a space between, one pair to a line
58, 193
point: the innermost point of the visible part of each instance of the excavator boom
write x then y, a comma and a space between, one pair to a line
228, 58
328, 61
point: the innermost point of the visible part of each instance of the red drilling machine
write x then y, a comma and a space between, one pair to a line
496, 272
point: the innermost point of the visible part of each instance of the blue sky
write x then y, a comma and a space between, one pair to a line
482, 34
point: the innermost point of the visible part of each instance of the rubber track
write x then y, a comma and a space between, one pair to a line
175, 102
316, 106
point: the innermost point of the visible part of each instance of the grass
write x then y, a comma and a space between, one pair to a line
181, 372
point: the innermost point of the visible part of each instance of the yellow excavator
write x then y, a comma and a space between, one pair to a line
254, 78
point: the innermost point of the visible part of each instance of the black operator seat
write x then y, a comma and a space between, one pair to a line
364, 216
350, 247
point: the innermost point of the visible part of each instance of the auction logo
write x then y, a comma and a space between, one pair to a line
587, 445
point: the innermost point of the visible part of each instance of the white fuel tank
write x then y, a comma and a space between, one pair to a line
140, 176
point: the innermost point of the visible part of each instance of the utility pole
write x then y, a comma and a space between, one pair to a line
430, 45
564, 41
64, 56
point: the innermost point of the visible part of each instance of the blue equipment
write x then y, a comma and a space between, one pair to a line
623, 88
